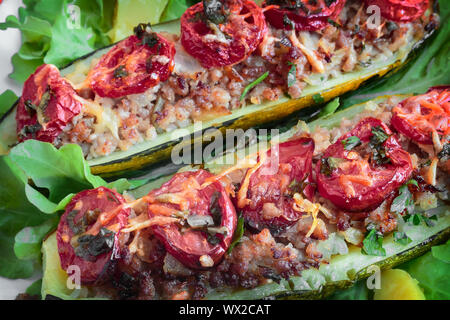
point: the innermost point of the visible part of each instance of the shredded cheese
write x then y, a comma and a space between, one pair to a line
315, 62
106, 118
311, 209
156, 220
242, 193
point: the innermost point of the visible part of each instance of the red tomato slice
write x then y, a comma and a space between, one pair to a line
47, 104
400, 10
133, 67
187, 244
418, 117
241, 31
90, 253
353, 179
284, 172
310, 15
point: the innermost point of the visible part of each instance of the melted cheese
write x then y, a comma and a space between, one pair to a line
184, 63
311, 209
106, 117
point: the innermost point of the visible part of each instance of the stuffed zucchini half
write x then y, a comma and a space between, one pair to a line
312, 212
234, 66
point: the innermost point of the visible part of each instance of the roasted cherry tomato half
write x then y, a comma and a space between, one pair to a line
419, 116
286, 170
361, 169
208, 218
134, 65
224, 34
306, 15
76, 245
400, 10
47, 104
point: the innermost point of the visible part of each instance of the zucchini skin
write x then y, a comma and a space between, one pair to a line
135, 164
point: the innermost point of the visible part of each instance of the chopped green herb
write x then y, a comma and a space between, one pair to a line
366, 64
213, 239
214, 208
30, 129
288, 22
253, 84
141, 29
238, 233
351, 142
404, 200
334, 23
76, 228
150, 39
445, 152
417, 218
391, 26
379, 136
402, 238
328, 165
373, 244
329, 2
90, 246
292, 75
214, 11
30, 107
318, 98
120, 72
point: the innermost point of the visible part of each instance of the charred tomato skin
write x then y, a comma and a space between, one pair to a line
385, 178
129, 67
422, 135
313, 17
294, 169
400, 10
102, 199
189, 246
60, 106
245, 35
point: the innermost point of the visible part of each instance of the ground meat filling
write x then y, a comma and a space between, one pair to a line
193, 93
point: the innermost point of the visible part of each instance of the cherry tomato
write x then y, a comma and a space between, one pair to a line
418, 117
400, 10
134, 65
47, 104
224, 35
285, 171
91, 253
361, 169
306, 15
197, 243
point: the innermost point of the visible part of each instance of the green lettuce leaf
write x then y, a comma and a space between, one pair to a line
28, 241
15, 214
7, 99
175, 8
48, 36
61, 171
358, 291
432, 270
37, 182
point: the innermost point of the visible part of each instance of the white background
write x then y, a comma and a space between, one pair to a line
9, 45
